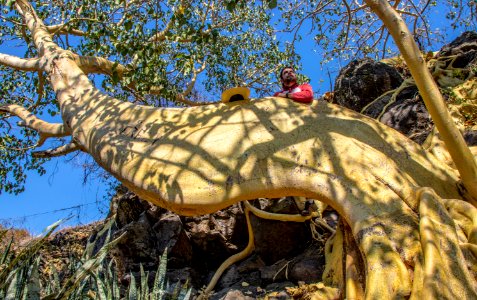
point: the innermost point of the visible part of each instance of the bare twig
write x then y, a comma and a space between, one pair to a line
62, 150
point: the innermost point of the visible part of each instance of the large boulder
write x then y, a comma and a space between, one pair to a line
362, 86
362, 81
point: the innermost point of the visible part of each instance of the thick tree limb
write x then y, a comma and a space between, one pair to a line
62, 150
41, 37
369, 173
31, 121
21, 64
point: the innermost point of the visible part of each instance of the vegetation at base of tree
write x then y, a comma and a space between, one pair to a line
92, 276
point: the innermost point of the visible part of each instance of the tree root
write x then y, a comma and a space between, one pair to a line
251, 245
443, 259
442, 256
394, 93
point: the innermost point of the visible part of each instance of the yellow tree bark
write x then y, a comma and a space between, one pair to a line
390, 191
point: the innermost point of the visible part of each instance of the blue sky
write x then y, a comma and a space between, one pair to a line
61, 192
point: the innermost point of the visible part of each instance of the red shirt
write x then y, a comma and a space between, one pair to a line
300, 93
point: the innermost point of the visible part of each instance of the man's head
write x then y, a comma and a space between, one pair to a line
288, 76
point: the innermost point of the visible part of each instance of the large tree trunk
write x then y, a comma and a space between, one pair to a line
201, 159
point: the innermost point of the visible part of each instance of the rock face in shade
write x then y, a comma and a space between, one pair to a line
197, 246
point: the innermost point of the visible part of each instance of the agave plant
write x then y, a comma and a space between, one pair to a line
91, 276
19, 276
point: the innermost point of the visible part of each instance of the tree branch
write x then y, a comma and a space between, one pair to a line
191, 84
21, 64
99, 65
62, 29
41, 37
29, 120
181, 97
62, 150
161, 36
460, 153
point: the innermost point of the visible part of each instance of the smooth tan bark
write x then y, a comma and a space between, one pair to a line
201, 159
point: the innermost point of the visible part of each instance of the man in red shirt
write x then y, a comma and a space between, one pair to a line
300, 93
291, 89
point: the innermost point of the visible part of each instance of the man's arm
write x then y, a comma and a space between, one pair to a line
304, 96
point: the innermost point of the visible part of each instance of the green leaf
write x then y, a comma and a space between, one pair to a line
14, 286
160, 279
88, 252
144, 287
101, 287
132, 290
6, 252
54, 282
128, 25
25, 255
272, 4
32, 289
231, 6
87, 268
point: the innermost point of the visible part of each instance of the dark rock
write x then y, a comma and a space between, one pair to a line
466, 42
293, 237
276, 272
308, 266
233, 294
250, 264
217, 236
127, 208
170, 235
229, 278
410, 117
136, 247
407, 114
376, 108
253, 278
180, 276
470, 137
279, 286
464, 54
362, 81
